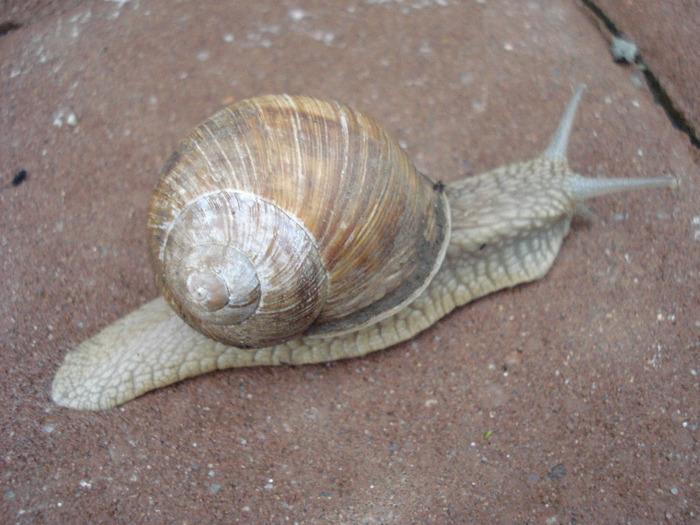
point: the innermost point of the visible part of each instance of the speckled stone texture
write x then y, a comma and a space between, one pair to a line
666, 34
572, 399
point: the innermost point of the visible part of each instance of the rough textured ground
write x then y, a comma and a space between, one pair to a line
666, 35
570, 400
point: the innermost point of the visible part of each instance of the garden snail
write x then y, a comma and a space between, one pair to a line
290, 230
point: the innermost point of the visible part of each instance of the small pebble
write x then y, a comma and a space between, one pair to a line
297, 14
623, 50
514, 358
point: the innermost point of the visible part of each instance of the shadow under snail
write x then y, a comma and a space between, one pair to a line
292, 230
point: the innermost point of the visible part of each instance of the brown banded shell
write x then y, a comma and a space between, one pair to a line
282, 215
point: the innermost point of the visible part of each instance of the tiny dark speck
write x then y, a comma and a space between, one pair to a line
438, 186
482, 246
557, 471
10, 25
19, 177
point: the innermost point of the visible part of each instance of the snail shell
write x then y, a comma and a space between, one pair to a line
287, 214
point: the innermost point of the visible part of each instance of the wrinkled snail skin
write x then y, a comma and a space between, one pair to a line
505, 227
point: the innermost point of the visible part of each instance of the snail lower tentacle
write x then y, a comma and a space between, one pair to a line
378, 265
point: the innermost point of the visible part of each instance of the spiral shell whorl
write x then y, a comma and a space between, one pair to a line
243, 285
220, 283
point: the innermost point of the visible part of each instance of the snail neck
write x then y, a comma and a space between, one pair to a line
507, 226
509, 223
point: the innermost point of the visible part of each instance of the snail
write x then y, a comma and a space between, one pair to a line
292, 230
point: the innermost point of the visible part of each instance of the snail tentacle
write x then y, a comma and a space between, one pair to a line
560, 140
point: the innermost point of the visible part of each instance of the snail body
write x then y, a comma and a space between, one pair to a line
290, 230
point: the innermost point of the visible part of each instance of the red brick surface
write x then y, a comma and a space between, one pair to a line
666, 34
586, 381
